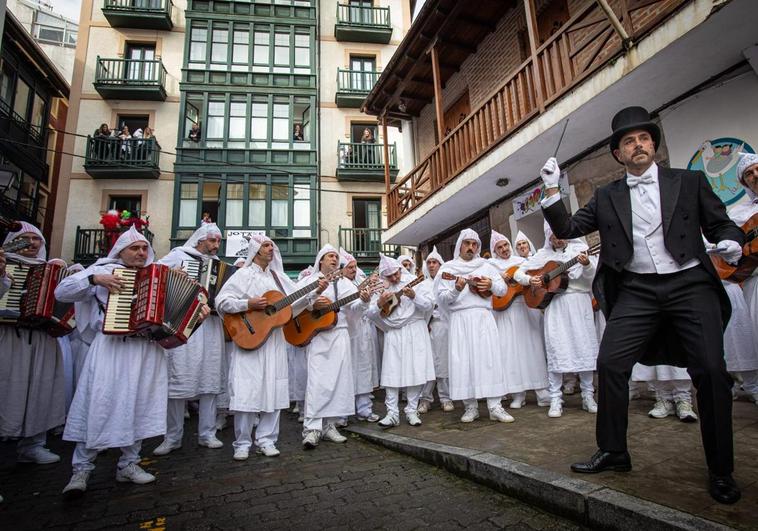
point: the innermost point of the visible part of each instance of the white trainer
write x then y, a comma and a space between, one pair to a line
372, 417
311, 439
413, 419
662, 409
332, 435
389, 421
470, 415
423, 407
556, 408
38, 455
754, 398
241, 454
499, 414
447, 406
210, 442
519, 401
77, 484
685, 412
133, 473
269, 451
166, 448
589, 404
301, 417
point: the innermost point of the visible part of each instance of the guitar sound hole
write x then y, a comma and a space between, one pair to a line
270, 310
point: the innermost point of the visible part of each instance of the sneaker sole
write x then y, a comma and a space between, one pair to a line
309, 446
28, 461
688, 420
129, 480
505, 421
240, 458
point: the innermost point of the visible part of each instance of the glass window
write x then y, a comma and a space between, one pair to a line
38, 113
234, 204
279, 204
257, 205
281, 49
21, 100
259, 122
237, 118
220, 46
261, 47
281, 125
239, 50
198, 45
215, 128
302, 53
6, 84
192, 112
302, 205
188, 205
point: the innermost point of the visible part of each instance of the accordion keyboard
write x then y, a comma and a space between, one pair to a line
119, 307
10, 303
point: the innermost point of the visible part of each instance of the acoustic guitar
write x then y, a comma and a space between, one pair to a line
749, 261
515, 289
471, 282
391, 305
555, 280
302, 328
249, 330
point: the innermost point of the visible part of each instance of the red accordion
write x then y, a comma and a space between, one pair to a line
156, 302
39, 308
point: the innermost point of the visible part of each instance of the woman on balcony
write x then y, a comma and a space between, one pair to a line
125, 149
103, 142
367, 152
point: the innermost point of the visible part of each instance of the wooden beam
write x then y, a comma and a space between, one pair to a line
490, 26
386, 149
438, 95
462, 46
531, 26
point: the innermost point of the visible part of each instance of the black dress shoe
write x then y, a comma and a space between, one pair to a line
602, 461
723, 489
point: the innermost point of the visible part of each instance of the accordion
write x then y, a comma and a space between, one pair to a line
210, 274
10, 303
39, 308
157, 303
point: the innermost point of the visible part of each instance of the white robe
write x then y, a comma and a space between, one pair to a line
122, 393
521, 339
438, 326
740, 347
362, 345
298, 372
195, 368
330, 391
32, 380
258, 379
407, 358
477, 370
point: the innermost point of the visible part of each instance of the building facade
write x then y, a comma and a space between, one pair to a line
496, 84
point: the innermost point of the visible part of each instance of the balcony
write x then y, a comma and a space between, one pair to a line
92, 244
297, 251
22, 143
131, 79
111, 158
363, 24
353, 86
366, 244
364, 162
141, 14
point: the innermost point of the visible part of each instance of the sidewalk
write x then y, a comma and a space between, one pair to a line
667, 456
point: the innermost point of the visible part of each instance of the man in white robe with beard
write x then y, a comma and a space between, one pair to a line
122, 394
475, 364
438, 324
258, 379
408, 362
570, 337
32, 379
522, 344
194, 369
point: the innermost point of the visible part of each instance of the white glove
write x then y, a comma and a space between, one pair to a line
550, 173
730, 250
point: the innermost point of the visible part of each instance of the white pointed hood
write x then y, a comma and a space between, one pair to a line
256, 240
125, 240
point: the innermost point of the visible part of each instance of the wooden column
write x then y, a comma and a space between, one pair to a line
438, 94
386, 149
531, 26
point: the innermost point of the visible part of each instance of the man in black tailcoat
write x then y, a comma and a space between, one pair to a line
657, 288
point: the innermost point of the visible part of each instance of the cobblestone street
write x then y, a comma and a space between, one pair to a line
356, 485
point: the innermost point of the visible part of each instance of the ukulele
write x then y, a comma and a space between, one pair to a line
249, 330
16, 245
302, 328
515, 289
391, 305
749, 261
554, 280
471, 282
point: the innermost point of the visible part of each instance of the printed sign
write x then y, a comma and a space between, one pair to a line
237, 242
718, 158
529, 202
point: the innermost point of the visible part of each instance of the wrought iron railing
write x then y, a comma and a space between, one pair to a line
356, 15
112, 152
91, 244
139, 6
357, 82
365, 244
130, 72
368, 156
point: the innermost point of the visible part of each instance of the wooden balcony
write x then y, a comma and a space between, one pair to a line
140, 14
111, 158
584, 44
366, 244
353, 86
92, 244
131, 79
363, 24
364, 162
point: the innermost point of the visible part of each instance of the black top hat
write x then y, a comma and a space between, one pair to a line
632, 119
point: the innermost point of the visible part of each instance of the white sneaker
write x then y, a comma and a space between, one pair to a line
268, 451
301, 418
556, 408
516, 404
135, 474
684, 411
166, 448
470, 415
210, 442
499, 414
413, 419
589, 404
311, 439
389, 421
220, 421
373, 417
241, 454
423, 407
754, 398
662, 409
448, 406
38, 455
78, 483
295, 409
332, 435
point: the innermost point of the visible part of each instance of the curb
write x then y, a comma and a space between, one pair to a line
587, 503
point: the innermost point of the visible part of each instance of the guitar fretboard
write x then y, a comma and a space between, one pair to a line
571, 263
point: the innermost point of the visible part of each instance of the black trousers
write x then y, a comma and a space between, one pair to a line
687, 304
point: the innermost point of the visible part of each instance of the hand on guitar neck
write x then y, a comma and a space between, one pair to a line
537, 281
481, 286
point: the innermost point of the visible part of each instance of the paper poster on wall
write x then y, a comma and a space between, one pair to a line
237, 242
717, 158
529, 201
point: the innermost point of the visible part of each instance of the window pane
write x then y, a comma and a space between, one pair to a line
234, 204
278, 213
261, 48
198, 44
302, 206
188, 205
215, 119
21, 100
237, 120
257, 205
38, 112
220, 46
281, 49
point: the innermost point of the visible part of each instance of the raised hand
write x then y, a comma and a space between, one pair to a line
551, 173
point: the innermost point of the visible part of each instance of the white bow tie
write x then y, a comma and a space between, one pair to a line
634, 180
